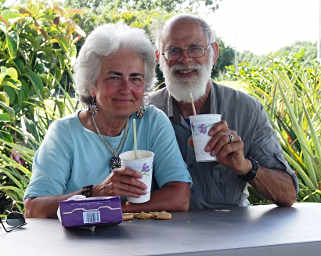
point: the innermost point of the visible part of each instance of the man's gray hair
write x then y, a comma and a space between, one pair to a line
208, 31
103, 41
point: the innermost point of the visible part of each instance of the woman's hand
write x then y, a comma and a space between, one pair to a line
121, 182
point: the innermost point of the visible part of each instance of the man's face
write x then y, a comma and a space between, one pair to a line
185, 74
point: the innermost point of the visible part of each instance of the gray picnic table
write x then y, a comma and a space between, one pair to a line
255, 230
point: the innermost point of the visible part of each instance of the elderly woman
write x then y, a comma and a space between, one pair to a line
80, 153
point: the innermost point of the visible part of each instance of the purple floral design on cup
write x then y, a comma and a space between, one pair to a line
203, 128
145, 170
198, 129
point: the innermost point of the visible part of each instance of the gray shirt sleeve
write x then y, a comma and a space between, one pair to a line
247, 116
264, 145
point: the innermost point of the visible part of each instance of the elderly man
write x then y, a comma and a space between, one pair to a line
244, 142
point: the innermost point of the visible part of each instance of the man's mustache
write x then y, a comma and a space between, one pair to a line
179, 67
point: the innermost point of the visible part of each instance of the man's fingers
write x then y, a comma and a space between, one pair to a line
229, 148
218, 127
216, 143
224, 142
190, 142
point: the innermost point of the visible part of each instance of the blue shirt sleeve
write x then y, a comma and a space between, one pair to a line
52, 159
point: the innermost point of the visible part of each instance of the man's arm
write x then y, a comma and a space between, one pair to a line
173, 196
275, 185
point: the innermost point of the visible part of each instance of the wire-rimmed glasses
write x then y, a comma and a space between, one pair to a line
174, 53
14, 220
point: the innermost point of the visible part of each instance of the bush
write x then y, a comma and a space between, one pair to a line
289, 89
37, 46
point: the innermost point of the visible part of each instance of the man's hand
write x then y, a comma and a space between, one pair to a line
227, 153
121, 182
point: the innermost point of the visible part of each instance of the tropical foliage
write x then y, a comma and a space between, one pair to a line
125, 5
37, 47
289, 89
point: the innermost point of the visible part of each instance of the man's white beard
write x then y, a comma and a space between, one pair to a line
181, 88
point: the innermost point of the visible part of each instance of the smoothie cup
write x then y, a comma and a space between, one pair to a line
143, 164
200, 125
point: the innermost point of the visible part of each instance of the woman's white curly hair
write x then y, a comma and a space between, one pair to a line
103, 41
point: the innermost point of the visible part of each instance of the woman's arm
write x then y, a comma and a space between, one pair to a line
44, 206
119, 183
173, 196
50, 172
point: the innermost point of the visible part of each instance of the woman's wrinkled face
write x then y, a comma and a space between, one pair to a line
120, 85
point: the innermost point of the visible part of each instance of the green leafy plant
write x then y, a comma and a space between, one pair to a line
289, 89
37, 48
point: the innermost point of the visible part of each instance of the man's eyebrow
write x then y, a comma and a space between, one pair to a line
196, 43
114, 73
199, 43
136, 74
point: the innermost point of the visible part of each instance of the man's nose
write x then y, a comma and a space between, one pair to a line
184, 57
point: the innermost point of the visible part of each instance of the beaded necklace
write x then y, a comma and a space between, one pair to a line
115, 161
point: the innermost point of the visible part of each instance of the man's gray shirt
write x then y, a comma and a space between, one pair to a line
215, 184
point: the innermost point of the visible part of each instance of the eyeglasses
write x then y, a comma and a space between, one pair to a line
15, 220
174, 53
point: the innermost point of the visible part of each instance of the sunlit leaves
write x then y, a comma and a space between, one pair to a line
37, 47
289, 88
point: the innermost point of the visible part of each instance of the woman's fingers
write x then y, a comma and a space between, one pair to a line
123, 189
130, 177
125, 182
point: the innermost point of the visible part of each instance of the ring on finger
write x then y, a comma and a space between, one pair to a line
231, 138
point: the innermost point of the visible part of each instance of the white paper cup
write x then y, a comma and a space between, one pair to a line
143, 164
200, 125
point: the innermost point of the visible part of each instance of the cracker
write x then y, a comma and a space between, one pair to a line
143, 215
128, 216
154, 214
163, 215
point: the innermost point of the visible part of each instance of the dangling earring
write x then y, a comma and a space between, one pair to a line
92, 107
140, 112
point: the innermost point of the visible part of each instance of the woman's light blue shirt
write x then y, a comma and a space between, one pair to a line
72, 156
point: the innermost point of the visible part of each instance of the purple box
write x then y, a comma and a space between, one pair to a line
91, 211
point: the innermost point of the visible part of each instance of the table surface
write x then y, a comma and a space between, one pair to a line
256, 230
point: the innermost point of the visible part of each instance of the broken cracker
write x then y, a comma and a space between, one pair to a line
128, 216
163, 215
143, 215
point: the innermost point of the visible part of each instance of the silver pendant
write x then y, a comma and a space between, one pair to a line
115, 162
140, 113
